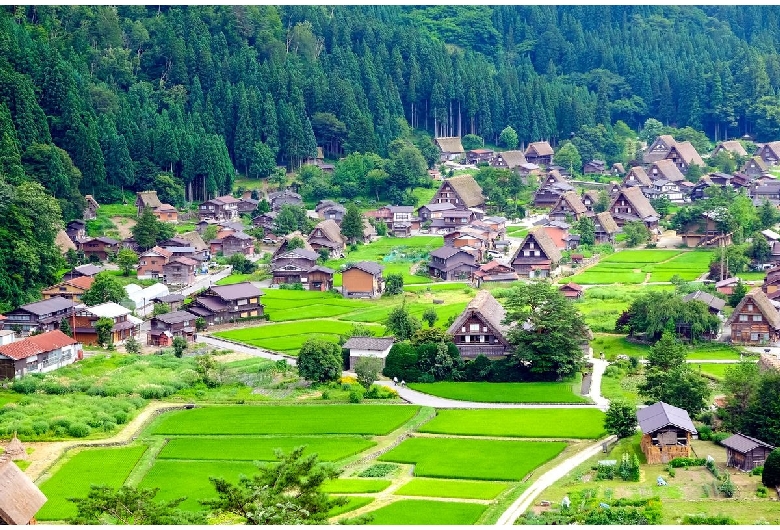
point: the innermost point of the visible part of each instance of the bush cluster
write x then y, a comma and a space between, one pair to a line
687, 462
702, 519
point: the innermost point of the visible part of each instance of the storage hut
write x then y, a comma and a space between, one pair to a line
666, 432
20, 498
744, 452
15, 449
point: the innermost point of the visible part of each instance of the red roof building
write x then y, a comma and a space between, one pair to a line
38, 354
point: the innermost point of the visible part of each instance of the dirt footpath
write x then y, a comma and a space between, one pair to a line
123, 226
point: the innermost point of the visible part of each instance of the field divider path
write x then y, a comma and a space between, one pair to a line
250, 350
546, 480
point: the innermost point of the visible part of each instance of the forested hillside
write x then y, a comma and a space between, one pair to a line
101, 100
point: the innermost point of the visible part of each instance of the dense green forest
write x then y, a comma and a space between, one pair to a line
105, 100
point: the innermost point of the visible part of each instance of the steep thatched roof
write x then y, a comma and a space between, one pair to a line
732, 146
63, 242
486, 307
544, 241
539, 149
688, 153
640, 176
573, 200
149, 198
513, 158
468, 189
20, 498
666, 170
450, 144
195, 239
331, 231
758, 298
638, 201
607, 222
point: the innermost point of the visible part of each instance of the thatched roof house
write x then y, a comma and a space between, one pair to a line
15, 450
20, 498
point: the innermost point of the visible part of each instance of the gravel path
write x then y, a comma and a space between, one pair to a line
257, 352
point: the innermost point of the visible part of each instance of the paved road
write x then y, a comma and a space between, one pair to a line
257, 352
522, 503
599, 367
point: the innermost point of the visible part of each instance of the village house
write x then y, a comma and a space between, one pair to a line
631, 205
480, 329
362, 280
237, 243
221, 304
44, 315
451, 220
150, 263
572, 291
266, 221
658, 149
100, 247
246, 204
285, 243
549, 194
180, 271
478, 156
605, 228
704, 231
537, 256
327, 235
557, 231
617, 169
755, 321
146, 199
166, 213
90, 211
590, 198
770, 153
771, 283
76, 230
714, 304
726, 285
595, 167
87, 269
278, 199
684, 155
63, 242
38, 354
664, 188
511, 160
69, 289
744, 452
450, 147
765, 190
462, 191
665, 170
754, 167
666, 432
125, 324
173, 301
569, 207
451, 263
327, 209
300, 266
223, 208
201, 225
20, 498
360, 347
493, 272
428, 212
540, 153
163, 328
400, 220
636, 176
733, 147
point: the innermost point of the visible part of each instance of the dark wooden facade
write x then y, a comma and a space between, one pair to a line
755, 320
745, 453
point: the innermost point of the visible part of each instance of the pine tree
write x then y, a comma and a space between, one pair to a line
352, 224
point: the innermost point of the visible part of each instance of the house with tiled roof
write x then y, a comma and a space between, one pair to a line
462, 191
72, 289
360, 347
327, 234
221, 304
478, 156
568, 207
572, 290
537, 256
44, 315
151, 262
770, 153
540, 153
299, 265
38, 354
82, 270
629, 205
549, 193
223, 208
450, 147
180, 270
684, 155
362, 280
745, 452
480, 328
100, 247
658, 149
125, 324
755, 321
163, 328
714, 304
278, 199
452, 263
595, 167
733, 147
666, 432
494, 271
328, 209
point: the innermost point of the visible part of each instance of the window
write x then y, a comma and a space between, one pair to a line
750, 307
743, 318
756, 318
536, 253
754, 336
473, 327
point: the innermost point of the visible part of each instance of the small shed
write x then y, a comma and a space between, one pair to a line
572, 290
15, 450
744, 452
20, 498
666, 432
368, 347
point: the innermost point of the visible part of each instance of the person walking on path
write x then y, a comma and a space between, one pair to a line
395, 381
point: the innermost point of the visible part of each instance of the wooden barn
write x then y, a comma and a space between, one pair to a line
666, 432
744, 452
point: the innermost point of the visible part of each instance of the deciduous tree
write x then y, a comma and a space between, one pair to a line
620, 419
319, 361
126, 258
104, 289
401, 323
367, 369
352, 224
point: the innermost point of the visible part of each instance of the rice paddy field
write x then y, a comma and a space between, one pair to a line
463, 458
519, 423
639, 266
180, 450
296, 316
563, 392
613, 345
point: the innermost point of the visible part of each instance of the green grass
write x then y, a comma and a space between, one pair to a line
503, 392
424, 195
104, 466
353, 503
640, 256
307, 419
743, 511
599, 275
235, 278
752, 276
464, 458
614, 345
355, 485
632, 266
414, 512
521, 423
714, 352
244, 448
452, 489
718, 371
191, 479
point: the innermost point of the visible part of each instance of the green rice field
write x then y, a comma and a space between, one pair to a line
563, 392
355, 485
637, 266
353, 503
103, 466
452, 489
414, 512
521, 423
463, 458
329, 449
305, 419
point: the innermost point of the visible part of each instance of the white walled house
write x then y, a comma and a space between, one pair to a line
359, 347
38, 354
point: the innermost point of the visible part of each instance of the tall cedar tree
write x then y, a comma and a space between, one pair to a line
547, 330
352, 224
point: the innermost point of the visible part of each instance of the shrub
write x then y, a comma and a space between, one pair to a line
25, 385
378, 471
770, 475
686, 462
55, 388
40, 427
325, 394
718, 437
761, 492
120, 417
705, 432
758, 470
605, 472
702, 519
78, 430
356, 395
727, 487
